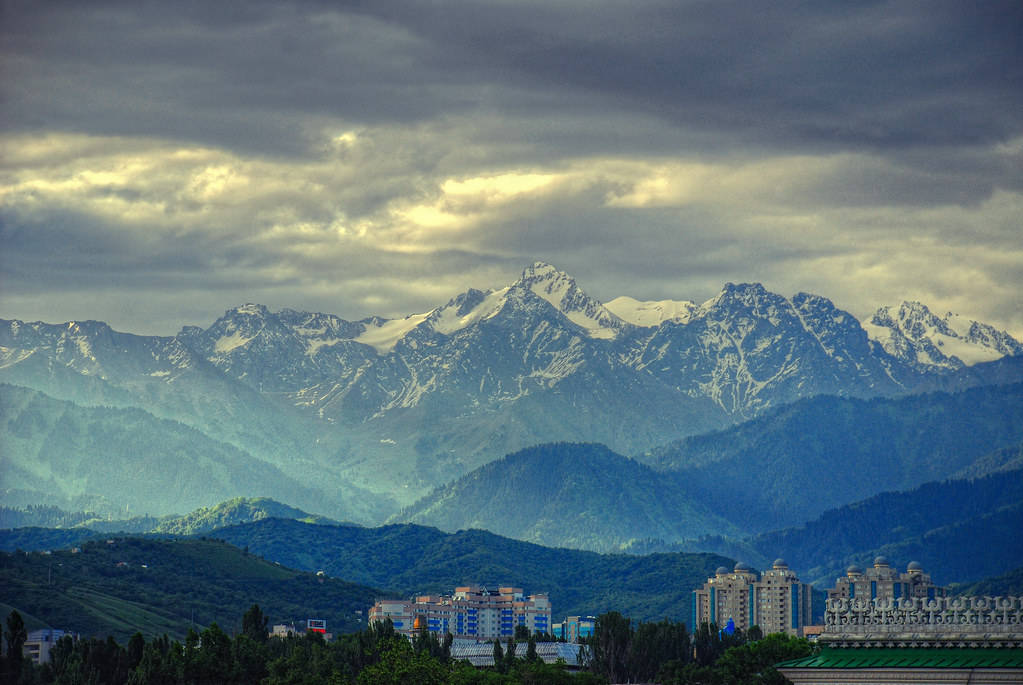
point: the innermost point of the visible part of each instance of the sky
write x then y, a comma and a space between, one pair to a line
161, 163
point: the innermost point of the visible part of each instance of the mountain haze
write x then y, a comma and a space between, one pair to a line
374, 414
568, 495
125, 460
790, 465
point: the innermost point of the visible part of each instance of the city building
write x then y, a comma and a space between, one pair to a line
574, 628
775, 600
38, 644
884, 582
283, 630
975, 640
472, 612
481, 655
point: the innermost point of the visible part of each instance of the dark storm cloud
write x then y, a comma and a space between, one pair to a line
827, 74
300, 153
257, 75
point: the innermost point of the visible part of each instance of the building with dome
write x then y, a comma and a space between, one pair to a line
774, 600
882, 581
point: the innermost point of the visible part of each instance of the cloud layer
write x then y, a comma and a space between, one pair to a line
165, 162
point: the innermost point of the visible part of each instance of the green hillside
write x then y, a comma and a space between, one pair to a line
582, 496
163, 586
413, 559
928, 524
230, 512
790, 466
999, 461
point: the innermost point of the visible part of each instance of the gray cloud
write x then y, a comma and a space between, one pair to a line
379, 157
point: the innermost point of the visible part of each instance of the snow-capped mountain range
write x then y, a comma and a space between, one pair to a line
396, 406
918, 337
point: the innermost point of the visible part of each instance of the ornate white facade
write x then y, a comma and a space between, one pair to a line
917, 622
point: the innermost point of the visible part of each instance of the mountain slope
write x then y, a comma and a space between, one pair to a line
791, 465
959, 529
567, 495
127, 458
1003, 585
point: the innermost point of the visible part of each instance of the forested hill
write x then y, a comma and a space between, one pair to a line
164, 586
414, 559
824, 452
575, 495
230, 512
959, 530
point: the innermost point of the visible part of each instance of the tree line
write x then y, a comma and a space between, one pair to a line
666, 653
662, 652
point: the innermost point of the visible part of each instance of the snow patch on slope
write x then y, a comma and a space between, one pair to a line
651, 313
383, 336
450, 319
226, 343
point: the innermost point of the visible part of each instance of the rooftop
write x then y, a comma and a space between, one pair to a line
947, 657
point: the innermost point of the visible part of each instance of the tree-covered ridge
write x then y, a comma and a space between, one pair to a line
827, 451
163, 586
1006, 584
414, 559
575, 495
232, 511
40, 527
959, 529
971, 534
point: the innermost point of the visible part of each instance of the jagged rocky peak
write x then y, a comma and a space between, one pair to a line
914, 334
468, 301
744, 299
249, 310
915, 319
542, 271
562, 292
238, 327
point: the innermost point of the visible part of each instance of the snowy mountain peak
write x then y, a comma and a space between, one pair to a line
249, 309
741, 296
561, 291
916, 335
542, 271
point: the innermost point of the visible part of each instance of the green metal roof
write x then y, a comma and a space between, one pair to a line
911, 657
